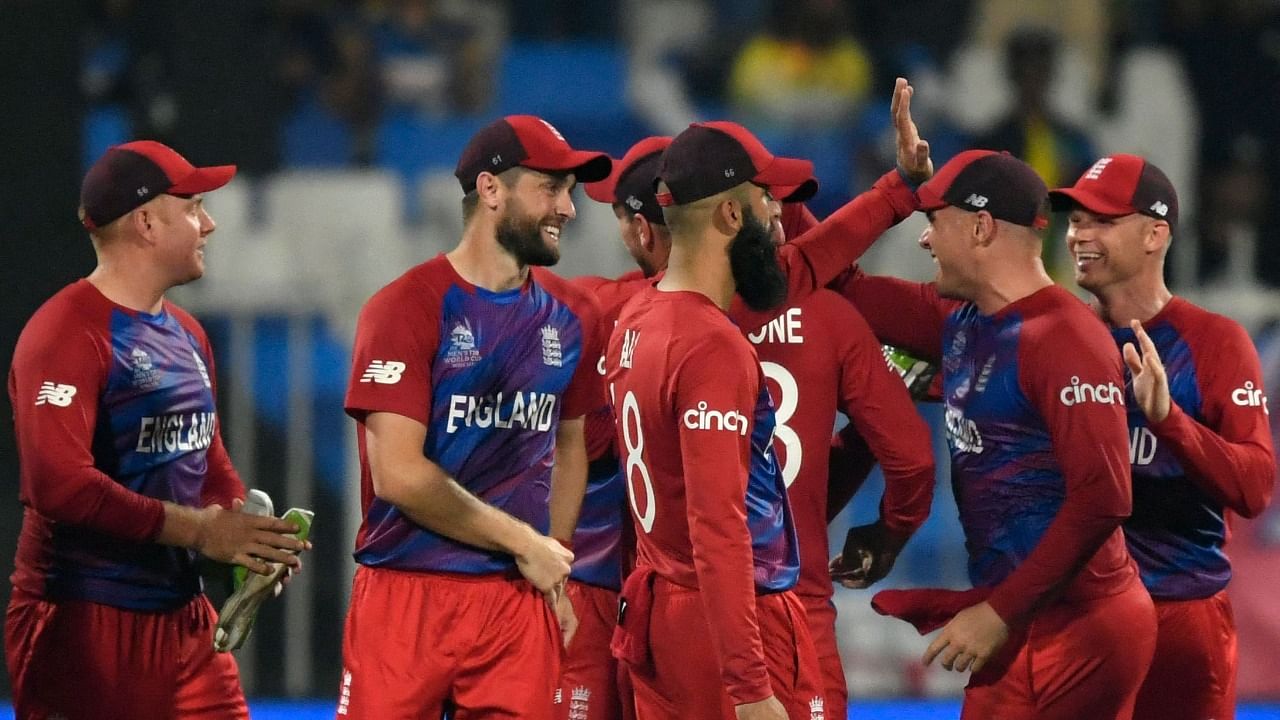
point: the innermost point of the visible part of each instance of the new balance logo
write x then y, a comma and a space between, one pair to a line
54, 394
1159, 208
383, 372
976, 200
634, 203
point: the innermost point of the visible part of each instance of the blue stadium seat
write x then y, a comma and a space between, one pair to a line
562, 81
410, 145
314, 138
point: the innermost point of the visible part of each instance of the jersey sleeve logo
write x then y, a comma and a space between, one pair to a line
204, 371
383, 372
1077, 393
1250, 396
55, 394
701, 418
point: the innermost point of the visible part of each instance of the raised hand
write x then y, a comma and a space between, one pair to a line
913, 152
1150, 383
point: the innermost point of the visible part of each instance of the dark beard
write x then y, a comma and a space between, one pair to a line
522, 237
754, 262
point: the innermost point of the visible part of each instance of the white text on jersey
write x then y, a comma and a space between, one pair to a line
1142, 446
1077, 393
629, 340
703, 419
525, 411
171, 433
963, 432
1250, 396
784, 329
383, 372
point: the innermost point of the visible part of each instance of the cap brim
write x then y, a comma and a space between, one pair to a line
794, 193
789, 173
605, 191
1067, 198
203, 180
586, 166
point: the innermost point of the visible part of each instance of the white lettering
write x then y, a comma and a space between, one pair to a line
1250, 396
635, 461
963, 433
1142, 446
784, 329
176, 433
786, 403
526, 411
629, 340
703, 419
383, 372
1077, 392
1095, 172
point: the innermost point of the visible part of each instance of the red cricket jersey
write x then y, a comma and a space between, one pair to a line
694, 430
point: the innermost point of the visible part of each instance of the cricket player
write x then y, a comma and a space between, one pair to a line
471, 376
124, 478
1060, 625
1199, 442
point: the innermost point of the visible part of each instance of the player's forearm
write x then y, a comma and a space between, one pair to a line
428, 496
85, 497
849, 463
900, 312
1240, 475
222, 484
568, 480
726, 585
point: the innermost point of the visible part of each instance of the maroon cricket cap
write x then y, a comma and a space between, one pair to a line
128, 175
631, 181
526, 141
1121, 185
996, 182
709, 158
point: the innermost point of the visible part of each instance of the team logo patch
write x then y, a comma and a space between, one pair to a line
145, 374
462, 350
551, 351
579, 703
383, 372
817, 708
52, 393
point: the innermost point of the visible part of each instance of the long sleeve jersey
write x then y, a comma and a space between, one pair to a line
114, 414
1212, 453
1035, 421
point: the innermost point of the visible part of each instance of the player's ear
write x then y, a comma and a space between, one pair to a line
488, 188
1157, 236
644, 232
984, 228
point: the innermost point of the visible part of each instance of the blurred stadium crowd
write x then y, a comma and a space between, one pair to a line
347, 116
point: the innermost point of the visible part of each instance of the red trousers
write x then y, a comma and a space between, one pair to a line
821, 615
1193, 675
588, 688
1075, 660
79, 660
686, 680
417, 643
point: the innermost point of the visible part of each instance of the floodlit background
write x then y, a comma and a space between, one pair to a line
346, 118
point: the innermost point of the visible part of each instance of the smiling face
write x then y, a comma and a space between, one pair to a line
948, 238
1107, 250
534, 213
180, 227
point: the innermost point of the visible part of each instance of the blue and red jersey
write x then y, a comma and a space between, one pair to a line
1212, 453
114, 413
491, 375
1035, 421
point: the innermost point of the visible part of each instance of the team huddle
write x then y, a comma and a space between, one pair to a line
609, 498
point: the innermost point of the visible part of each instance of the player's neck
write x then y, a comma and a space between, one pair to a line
1139, 298
702, 268
131, 289
481, 261
1009, 283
